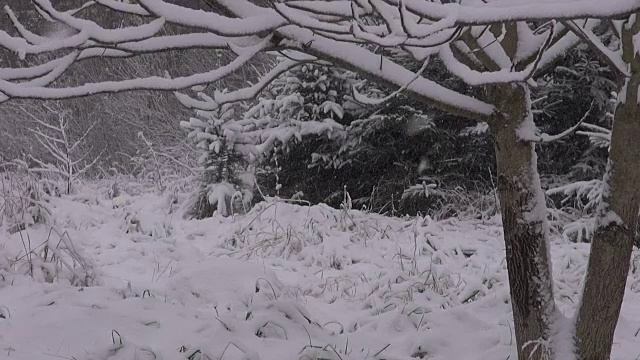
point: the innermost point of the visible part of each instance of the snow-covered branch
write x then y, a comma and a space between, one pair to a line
485, 13
614, 59
343, 33
220, 98
473, 13
149, 83
504, 75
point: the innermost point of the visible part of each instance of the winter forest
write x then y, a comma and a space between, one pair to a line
319, 179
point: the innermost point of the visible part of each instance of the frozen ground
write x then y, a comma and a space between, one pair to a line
281, 282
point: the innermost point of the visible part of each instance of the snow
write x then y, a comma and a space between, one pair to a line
247, 93
388, 71
213, 22
368, 64
35, 71
473, 77
319, 30
127, 277
124, 6
480, 12
614, 58
91, 30
280, 282
185, 41
35, 91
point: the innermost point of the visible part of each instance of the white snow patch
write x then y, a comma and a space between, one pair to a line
267, 284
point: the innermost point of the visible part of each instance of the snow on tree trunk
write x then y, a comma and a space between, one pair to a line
524, 220
617, 218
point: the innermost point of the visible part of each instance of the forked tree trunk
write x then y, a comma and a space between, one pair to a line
524, 221
617, 219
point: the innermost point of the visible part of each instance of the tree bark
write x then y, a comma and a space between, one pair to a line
617, 218
613, 240
524, 221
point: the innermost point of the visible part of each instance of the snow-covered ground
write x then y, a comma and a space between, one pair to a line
281, 282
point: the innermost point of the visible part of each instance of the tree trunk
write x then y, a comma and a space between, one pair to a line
612, 244
524, 221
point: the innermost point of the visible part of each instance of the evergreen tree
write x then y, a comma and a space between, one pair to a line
305, 110
224, 166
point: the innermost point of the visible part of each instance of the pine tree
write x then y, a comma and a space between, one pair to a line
224, 166
304, 110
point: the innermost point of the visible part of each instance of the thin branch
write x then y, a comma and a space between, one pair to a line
546, 138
